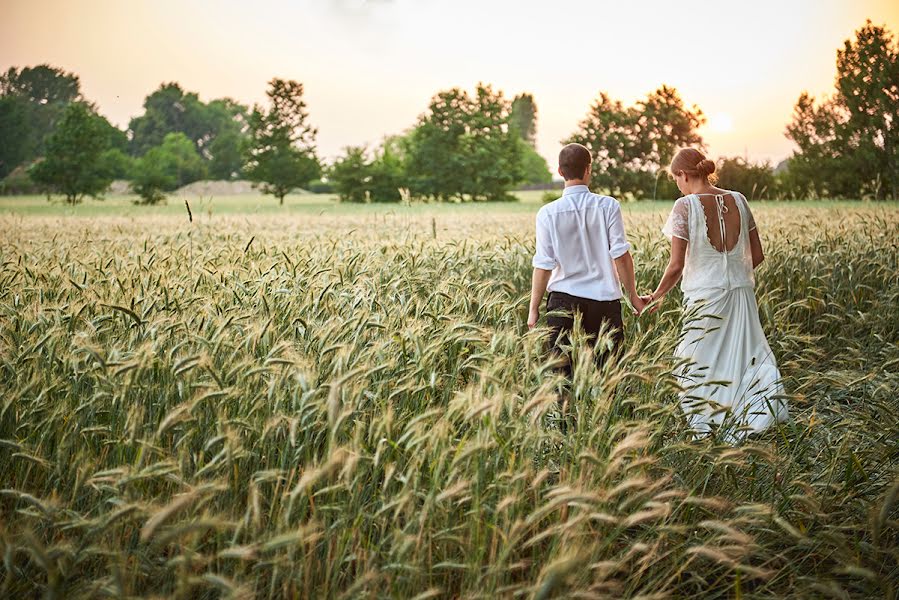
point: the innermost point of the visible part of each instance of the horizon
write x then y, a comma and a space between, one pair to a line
371, 86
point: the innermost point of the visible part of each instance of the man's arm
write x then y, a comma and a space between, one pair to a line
539, 281
624, 264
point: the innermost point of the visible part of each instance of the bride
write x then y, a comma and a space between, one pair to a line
730, 378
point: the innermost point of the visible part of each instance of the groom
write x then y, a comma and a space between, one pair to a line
582, 258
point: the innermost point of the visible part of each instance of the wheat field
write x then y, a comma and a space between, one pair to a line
248, 406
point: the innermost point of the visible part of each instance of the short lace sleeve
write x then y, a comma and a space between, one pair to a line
749, 218
678, 223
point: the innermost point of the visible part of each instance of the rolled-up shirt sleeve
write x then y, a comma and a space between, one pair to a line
618, 243
544, 256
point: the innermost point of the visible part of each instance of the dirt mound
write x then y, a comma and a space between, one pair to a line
216, 188
119, 187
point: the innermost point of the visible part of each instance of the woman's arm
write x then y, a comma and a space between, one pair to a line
755, 246
672, 273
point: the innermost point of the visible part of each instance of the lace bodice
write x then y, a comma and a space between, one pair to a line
706, 267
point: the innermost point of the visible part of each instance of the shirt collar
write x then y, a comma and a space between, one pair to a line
575, 189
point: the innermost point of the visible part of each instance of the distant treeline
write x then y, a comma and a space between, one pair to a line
464, 147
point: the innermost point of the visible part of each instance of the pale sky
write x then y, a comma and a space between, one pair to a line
371, 66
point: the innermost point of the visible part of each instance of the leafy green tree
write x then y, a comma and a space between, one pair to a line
167, 167
32, 100
356, 177
848, 144
755, 180
116, 164
72, 165
631, 145
351, 174
609, 131
167, 110
16, 132
535, 169
281, 154
464, 147
43, 84
664, 125
524, 118
388, 171
228, 150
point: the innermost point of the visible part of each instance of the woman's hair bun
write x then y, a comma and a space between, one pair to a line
705, 166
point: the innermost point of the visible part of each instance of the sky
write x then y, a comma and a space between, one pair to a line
370, 67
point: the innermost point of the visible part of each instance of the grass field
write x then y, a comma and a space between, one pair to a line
343, 401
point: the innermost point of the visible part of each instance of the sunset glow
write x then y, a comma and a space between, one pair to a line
370, 67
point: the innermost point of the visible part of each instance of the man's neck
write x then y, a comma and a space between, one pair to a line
573, 182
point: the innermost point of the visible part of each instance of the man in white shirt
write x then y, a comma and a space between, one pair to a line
582, 259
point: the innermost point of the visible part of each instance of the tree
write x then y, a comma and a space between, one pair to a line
32, 100
755, 180
524, 118
848, 144
169, 110
16, 133
281, 154
630, 145
609, 131
356, 177
666, 124
464, 147
388, 171
535, 169
351, 175
227, 150
43, 84
171, 165
72, 164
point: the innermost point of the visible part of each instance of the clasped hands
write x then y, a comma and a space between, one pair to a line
645, 304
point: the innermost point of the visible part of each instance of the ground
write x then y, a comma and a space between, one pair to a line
336, 400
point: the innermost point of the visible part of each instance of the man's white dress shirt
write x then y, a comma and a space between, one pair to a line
578, 238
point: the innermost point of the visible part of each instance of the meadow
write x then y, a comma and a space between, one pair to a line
344, 402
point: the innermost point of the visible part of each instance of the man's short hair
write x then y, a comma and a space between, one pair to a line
573, 161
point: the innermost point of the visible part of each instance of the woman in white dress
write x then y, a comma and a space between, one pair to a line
730, 377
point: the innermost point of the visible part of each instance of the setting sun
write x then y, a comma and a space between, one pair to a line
721, 123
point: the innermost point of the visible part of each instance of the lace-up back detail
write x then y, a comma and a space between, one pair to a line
726, 220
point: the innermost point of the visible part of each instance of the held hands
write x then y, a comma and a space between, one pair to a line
650, 304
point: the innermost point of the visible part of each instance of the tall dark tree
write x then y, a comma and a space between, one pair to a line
73, 165
630, 145
18, 140
43, 84
848, 144
666, 124
524, 118
32, 100
170, 110
282, 153
609, 131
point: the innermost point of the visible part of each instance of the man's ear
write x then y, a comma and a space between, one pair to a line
562, 175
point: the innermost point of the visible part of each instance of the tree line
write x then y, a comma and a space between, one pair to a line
464, 147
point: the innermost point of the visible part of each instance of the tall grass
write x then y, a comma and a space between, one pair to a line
352, 407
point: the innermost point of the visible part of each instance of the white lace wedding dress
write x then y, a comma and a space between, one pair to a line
731, 378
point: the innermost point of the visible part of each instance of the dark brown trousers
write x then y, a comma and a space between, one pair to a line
594, 315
